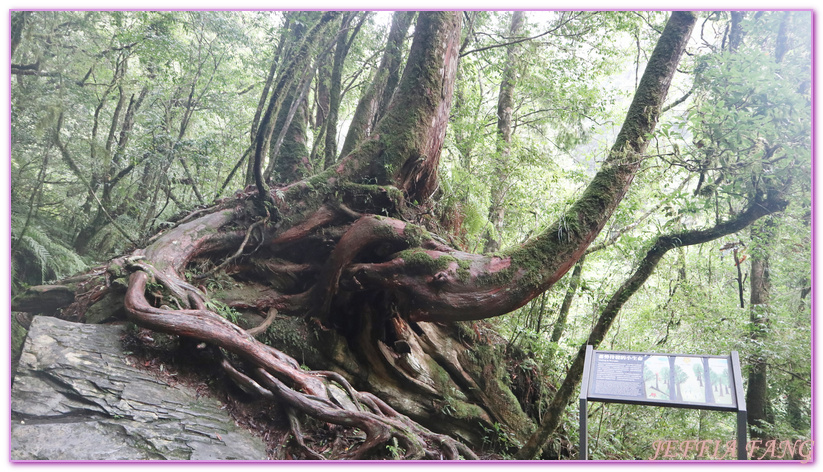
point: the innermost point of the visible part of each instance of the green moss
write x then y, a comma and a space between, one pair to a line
455, 404
416, 235
463, 272
500, 277
294, 337
418, 261
464, 410
563, 236
394, 194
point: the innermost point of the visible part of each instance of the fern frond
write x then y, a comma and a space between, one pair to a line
41, 254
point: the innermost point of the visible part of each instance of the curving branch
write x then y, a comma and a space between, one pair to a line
479, 287
663, 244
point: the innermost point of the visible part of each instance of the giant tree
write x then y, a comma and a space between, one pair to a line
346, 253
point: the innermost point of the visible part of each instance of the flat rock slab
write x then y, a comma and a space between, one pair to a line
75, 397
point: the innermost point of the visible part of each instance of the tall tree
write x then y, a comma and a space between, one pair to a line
348, 254
350, 26
757, 387
505, 109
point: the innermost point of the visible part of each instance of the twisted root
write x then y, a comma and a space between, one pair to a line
274, 375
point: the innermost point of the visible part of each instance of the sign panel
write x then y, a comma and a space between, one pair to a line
672, 380
685, 381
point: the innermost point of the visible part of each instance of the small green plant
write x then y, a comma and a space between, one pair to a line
497, 438
223, 310
152, 286
395, 450
447, 408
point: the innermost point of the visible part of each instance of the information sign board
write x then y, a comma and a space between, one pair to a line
685, 381
670, 380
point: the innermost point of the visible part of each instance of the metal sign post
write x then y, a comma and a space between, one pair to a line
670, 380
741, 408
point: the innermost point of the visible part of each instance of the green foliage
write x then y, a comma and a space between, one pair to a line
395, 450
223, 310
496, 438
37, 257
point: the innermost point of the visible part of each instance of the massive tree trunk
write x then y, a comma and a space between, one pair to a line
381, 296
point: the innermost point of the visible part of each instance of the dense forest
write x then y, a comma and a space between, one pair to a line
404, 228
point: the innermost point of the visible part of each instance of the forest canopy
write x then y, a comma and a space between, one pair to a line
427, 214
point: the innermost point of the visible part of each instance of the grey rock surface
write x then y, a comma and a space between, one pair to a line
76, 397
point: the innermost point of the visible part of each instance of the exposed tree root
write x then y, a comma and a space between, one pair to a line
239, 251
262, 327
297, 432
263, 370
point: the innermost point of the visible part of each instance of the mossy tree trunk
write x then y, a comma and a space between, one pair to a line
373, 104
505, 110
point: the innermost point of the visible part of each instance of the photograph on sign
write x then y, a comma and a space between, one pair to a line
690, 380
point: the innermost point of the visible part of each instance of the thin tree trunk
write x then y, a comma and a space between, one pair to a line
289, 157
736, 32
261, 104
761, 416
18, 24
739, 278
500, 164
663, 244
341, 51
287, 77
560, 324
757, 398
322, 95
35, 194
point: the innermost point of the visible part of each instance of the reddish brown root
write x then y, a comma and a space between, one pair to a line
277, 376
364, 232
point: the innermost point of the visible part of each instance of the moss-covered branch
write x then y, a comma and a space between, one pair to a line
653, 256
501, 283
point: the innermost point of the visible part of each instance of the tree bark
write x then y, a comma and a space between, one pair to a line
261, 103
289, 75
560, 324
740, 278
736, 32
289, 162
505, 108
373, 104
341, 51
757, 398
18, 24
